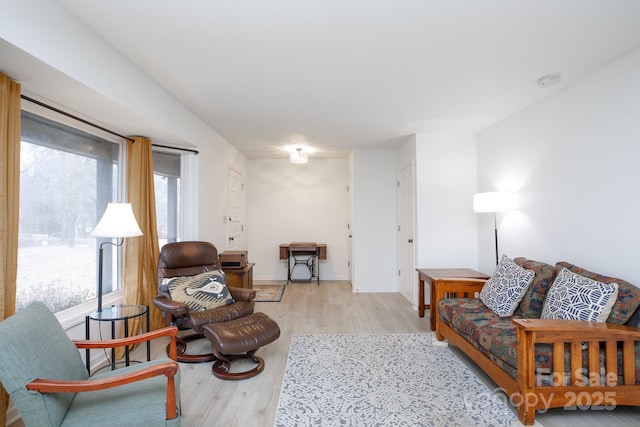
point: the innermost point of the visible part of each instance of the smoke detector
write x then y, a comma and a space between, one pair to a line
549, 80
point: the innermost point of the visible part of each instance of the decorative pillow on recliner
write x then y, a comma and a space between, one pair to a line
201, 292
574, 297
505, 288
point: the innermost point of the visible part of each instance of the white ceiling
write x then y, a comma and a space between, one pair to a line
345, 74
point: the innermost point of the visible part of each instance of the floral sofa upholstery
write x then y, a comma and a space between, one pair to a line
546, 363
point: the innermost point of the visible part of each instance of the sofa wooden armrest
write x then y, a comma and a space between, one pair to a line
452, 288
546, 329
612, 346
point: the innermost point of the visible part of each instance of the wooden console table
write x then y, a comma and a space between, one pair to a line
306, 254
434, 276
240, 277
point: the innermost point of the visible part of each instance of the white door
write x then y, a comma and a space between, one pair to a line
234, 212
407, 275
349, 230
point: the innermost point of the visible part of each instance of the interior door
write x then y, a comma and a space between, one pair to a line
350, 227
234, 212
407, 275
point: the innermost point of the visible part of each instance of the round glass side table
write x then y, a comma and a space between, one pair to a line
114, 314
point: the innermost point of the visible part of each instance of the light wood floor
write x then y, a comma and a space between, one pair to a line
330, 308
306, 308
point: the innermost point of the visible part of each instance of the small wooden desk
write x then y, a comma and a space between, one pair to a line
285, 249
433, 276
240, 277
305, 254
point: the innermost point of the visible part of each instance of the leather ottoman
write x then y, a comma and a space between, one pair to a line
240, 338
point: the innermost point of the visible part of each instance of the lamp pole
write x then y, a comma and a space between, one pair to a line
495, 233
100, 268
100, 260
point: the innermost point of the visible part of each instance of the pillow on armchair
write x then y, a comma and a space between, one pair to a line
201, 292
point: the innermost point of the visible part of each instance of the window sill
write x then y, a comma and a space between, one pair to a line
76, 315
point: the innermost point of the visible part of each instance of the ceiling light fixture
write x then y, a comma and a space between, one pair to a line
299, 157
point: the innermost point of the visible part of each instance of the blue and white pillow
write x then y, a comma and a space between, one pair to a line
574, 297
506, 287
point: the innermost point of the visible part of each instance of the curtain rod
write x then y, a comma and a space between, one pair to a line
64, 113
176, 148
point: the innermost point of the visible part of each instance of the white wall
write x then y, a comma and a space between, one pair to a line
213, 166
407, 153
374, 220
573, 160
63, 50
446, 228
46, 31
297, 203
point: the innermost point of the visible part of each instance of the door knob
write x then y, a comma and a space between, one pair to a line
410, 240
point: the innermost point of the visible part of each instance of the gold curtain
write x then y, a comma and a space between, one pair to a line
9, 203
142, 253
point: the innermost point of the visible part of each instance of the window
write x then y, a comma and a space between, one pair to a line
67, 177
166, 176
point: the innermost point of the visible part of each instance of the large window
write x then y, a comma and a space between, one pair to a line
166, 174
67, 177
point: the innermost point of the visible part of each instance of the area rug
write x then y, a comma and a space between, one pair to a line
383, 380
269, 293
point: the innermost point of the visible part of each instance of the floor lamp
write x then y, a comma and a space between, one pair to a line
118, 222
493, 202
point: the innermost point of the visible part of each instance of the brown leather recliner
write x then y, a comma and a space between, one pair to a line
188, 259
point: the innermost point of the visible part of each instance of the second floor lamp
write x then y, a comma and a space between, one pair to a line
493, 202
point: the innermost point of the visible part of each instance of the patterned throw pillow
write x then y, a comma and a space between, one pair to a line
628, 294
201, 292
505, 288
575, 297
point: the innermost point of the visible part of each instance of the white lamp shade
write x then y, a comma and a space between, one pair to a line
117, 221
493, 202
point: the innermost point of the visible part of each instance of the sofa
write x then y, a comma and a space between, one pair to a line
543, 359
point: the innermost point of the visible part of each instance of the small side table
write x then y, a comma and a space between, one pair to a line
240, 277
113, 314
434, 276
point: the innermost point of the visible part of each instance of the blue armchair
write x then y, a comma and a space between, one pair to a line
43, 372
